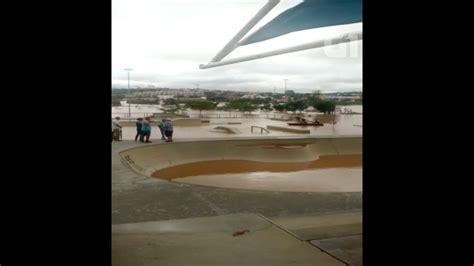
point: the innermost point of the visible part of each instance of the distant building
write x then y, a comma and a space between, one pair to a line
284, 99
340, 97
248, 96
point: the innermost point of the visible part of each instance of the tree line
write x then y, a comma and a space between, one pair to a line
250, 105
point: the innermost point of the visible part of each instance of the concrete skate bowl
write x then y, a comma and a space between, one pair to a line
312, 164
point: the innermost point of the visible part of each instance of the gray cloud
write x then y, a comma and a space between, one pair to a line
165, 42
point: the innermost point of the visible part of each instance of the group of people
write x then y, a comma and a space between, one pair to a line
144, 129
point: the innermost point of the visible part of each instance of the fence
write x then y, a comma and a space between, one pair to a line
130, 116
261, 129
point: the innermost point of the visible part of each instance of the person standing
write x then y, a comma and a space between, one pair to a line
146, 131
168, 127
112, 129
117, 127
162, 130
139, 128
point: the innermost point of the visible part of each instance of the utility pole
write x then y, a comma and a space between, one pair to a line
128, 74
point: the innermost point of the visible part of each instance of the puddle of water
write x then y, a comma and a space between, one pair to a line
217, 167
316, 180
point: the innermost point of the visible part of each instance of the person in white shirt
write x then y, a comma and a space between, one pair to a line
116, 127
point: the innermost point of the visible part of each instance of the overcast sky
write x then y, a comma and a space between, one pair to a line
164, 41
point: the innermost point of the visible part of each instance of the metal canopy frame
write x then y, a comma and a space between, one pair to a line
234, 42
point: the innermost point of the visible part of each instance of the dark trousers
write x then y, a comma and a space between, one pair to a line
139, 133
145, 136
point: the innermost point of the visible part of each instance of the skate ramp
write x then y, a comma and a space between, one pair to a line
226, 130
328, 163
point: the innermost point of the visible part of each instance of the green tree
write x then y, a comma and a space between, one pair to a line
202, 105
170, 101
171, 109
296, 106
231, 106
247, 107
266, 107
326, 107
243, 105
279, 107
313, 101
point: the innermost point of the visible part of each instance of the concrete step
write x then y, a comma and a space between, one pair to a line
338, 234
324, 225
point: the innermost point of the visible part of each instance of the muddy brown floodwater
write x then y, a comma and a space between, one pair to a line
243, 166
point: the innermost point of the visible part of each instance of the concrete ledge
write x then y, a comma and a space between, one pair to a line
228, 130
290, 130
329, 231
281, 119
324, 226
327, 119
187, 122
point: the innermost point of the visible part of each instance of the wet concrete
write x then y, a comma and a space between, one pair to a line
325, 226
347, 248
339, 234
211, 241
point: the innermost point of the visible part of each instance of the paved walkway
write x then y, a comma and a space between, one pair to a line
212, 241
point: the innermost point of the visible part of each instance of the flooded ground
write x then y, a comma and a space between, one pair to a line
345, 125
341, 173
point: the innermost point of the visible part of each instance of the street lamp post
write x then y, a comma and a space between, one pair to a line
128, 74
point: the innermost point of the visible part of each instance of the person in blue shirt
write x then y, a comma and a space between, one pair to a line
146, 131
168, 128
162, 130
